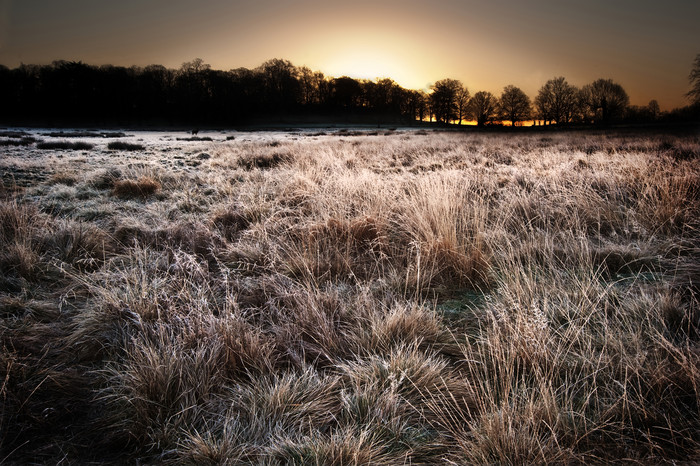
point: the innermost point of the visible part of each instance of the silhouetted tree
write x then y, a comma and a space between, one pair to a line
113, 87
346, 93
557, 101
462, 103
310, 83
247, 89
444, 99
154, 85
195, 66
694, 77
605, 100
67, 92
411, 103
5, 84
223, 102
72, 91
382, 97
415, 105
514, 105
642, 114
482, 107
654, 109
191, 90
420, 99
28, 96
422, 104
282, 89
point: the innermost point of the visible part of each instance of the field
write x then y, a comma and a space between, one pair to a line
350, 297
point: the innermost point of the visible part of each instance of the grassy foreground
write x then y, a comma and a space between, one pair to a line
399, 298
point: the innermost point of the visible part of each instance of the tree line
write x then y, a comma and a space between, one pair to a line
557, 102
74, 92
67, 91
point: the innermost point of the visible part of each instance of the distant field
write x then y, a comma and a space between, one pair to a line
349, 297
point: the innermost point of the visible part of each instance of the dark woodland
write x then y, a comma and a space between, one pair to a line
71, 93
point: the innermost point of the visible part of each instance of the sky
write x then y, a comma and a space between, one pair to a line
646, 46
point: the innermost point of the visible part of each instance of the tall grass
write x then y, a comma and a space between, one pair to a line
409, 298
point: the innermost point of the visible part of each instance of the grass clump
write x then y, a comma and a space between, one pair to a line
68, 179
125, 146
64, 145
265, 160
21, 142
142, 188
196, 138
85, 134
105, 179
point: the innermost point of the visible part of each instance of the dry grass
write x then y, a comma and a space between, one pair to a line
140, 188
64, 145
406, 298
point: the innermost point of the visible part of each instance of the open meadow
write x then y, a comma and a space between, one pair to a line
350, 297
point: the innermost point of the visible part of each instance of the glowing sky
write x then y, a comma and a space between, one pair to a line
647, 46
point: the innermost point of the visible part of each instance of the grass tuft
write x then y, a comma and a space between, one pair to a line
265, 160
64, 145
22, 142
141, 188
125, 146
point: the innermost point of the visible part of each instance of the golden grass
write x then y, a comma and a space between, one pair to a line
141, 188
411, 298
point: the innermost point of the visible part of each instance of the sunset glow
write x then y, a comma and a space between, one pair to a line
370, 64
646, 46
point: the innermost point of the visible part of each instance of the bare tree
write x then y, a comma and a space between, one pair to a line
443, 99
195, 66
310, 84
422, 104
605, 100
557, 101
694, 77
482, 107
414, 105
654, 109
462, 103
514, 105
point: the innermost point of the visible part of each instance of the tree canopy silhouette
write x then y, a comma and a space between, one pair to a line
66, 92
514, 105
482, 107
694, 77
447, 100
557, 101
605, 100
69, 93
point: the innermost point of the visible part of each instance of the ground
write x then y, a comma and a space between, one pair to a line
349, 296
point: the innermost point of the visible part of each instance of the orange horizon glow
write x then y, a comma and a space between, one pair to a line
498, 122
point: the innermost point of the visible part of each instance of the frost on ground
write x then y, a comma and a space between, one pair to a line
345, 296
